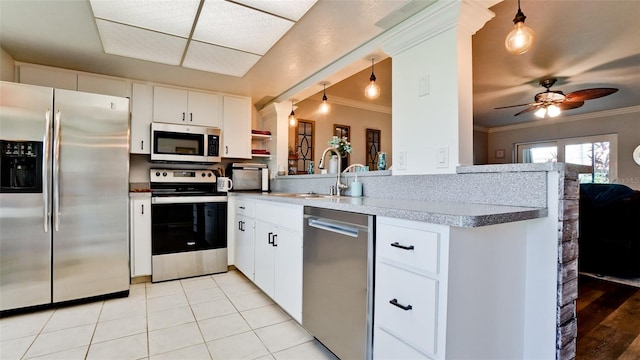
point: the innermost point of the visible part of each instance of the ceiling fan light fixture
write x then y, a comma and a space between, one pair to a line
520, 39
553, 110
324, 107
372, 91
292, 117
541, 112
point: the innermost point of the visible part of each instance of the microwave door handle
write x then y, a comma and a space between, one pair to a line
46, 149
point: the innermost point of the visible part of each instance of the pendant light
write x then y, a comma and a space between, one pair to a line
372, 91
324, 107
292, 117
520, 39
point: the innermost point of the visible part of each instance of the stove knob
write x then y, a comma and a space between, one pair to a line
209, 174
157, 173
164, 173
203, 175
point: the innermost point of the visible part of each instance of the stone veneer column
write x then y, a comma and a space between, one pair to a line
566, 318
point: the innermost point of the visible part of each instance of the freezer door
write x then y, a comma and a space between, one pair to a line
90, 195
25, 235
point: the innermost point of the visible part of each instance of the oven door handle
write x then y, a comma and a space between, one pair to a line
187, 199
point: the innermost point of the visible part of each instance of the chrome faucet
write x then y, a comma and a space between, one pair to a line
339, 185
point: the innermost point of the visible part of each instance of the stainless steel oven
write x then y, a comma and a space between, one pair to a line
189, 224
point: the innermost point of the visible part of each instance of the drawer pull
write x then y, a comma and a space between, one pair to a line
242, 207
394, 302
397, 244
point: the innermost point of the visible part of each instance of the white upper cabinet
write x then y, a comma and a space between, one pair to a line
103, 85
49, 77
236, 134
178, 106
141, 117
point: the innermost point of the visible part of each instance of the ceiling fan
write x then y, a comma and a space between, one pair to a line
552, 102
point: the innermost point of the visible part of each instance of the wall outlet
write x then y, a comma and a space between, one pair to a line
402, 160
442, 157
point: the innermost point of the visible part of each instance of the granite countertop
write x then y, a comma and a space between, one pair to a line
443, 213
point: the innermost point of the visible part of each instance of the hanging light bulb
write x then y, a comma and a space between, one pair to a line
292, 117
372, 91
324, 107
520, 39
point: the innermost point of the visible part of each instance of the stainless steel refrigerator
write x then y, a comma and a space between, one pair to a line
64, 171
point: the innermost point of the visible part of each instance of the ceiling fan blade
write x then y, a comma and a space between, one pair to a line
567, 105
588, 94
510, 106
531, 108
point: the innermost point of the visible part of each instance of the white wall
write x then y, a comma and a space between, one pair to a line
7, 66
624, 123
358, 119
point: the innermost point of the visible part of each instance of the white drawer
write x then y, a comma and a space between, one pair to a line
411, 247
386, 346
245, 207
286, 216
417, 325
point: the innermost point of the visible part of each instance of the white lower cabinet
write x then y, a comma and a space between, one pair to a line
140, 237
410, 287
278, 254
245, 223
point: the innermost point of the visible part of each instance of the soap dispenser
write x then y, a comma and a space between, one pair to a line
356, 187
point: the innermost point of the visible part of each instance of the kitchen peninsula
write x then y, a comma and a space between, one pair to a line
503, 276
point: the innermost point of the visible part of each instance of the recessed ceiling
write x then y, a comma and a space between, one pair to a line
210, 35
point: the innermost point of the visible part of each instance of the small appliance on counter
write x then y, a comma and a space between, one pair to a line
249, 176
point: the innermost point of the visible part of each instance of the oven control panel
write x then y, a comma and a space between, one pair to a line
182, 176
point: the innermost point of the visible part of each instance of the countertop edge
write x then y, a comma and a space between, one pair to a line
394, 209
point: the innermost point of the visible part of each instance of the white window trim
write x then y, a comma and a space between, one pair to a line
561, 143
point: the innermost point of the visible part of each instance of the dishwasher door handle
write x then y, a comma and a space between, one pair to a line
328, 225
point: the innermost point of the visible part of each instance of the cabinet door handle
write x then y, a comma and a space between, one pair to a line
275, 237
190, 116
142, 209
226, 149
404, 247
243, 226
141, 144
394, 302
183, 115
270, 238
239, 225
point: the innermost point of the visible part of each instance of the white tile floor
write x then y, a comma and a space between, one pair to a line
223, 316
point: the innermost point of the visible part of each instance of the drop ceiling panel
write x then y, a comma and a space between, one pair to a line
207, 57
288, 9
168, 16
238, 27
130, 41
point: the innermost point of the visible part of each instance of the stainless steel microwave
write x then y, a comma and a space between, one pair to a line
184, 143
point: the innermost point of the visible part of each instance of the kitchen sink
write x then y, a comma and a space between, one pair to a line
307, 195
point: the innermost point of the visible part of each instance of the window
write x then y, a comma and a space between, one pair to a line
343, 131
373, 148
599, 152
304, 144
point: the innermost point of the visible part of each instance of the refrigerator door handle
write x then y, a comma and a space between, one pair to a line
56, 174
46, 149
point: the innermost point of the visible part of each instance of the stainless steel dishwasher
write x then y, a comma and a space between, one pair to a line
337, 295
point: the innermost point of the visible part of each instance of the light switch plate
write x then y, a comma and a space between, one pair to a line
442, 157
402, 160
424, 86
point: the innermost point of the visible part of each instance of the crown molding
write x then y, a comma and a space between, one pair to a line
565, 119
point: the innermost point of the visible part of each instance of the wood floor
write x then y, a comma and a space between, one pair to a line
608, 320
